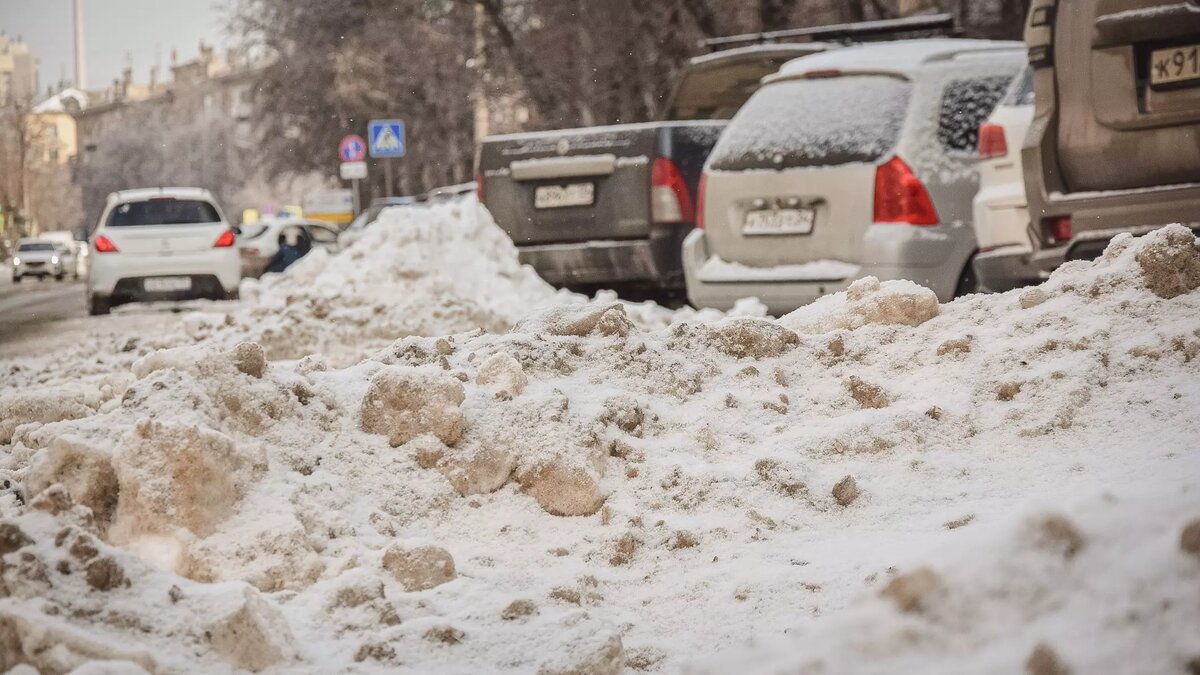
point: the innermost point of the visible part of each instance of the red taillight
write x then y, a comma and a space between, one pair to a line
900, 197
225, 240
480, 190
700, 201
670, 199
1058, 229
104, 245
991, 141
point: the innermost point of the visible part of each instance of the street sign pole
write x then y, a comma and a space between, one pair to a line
387, 173
354, 189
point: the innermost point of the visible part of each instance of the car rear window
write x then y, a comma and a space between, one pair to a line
966, 104
36, 246
163, 212
818, 122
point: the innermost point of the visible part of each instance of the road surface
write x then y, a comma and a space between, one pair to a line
27, 307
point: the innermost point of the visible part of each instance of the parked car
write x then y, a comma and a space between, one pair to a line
368, 217
1005, 258
855, 162
39, 258
1115, 142
259, 242
610, 206
451, 192
161, 244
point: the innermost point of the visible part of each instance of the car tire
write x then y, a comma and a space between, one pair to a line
967, 283
60, 276
98, 306
16, 279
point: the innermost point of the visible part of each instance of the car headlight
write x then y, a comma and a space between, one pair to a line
53, 260
16, 261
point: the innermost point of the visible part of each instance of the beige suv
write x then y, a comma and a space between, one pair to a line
1115, 142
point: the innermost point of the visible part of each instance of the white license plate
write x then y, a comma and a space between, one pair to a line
560, 196
1177, 64
167, 284
782, 221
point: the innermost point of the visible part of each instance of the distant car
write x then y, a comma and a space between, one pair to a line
161, 244
355, 229
1004, 261
858, 161
1115, 142
37, 258
449, 192
259, 242
68, 250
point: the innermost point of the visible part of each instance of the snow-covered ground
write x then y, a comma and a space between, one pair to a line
529, 482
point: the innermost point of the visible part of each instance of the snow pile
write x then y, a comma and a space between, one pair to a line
872, 484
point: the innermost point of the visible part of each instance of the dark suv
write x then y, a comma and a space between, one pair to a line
1115, 142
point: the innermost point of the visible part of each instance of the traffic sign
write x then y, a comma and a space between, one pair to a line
354, 170
352, 149
387, 138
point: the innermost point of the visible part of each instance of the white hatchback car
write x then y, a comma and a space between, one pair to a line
1004, 261
161, 244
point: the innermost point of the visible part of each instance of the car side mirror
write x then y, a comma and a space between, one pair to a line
237, 230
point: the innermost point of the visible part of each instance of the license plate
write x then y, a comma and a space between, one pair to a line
560, 196
167, 284
1177, 64
782, 221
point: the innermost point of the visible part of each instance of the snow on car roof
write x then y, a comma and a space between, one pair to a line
901, 56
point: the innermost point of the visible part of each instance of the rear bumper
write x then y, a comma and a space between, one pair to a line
1007, 267
931, 256
654, 260
121, 275
1098, 217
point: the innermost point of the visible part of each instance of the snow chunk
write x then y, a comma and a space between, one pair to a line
502, 372
43, 406
84, 470
403, 403
419, 568
866, 301
251, 635
1170, 261
173, 475
577, 320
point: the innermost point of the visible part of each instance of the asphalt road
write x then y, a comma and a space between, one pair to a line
26, 307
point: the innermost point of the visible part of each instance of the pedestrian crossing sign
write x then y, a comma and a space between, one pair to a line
386, 138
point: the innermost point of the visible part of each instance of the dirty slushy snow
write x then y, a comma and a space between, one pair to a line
875, 483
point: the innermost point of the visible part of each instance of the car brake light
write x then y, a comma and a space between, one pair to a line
1057, 229
991, 141
480, 190
670, 199
104, 245
225, 240
700, 201
900, 197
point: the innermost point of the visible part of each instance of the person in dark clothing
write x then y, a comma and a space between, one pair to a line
294, 244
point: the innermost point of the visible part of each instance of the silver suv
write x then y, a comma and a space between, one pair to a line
855, 162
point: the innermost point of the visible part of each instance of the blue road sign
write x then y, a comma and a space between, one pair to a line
386, 138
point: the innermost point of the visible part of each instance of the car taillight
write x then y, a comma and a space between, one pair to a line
991, 141
480, 190
104, 245
670, 199
225, 240
700, 201
900, 197
1057, 230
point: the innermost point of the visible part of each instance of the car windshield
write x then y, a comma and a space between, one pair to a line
163, 211
817, 122
36, 246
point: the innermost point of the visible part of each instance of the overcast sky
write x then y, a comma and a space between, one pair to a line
117, 33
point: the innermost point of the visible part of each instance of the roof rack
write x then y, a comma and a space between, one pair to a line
926, 25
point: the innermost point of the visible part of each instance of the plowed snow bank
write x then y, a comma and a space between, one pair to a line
897, 486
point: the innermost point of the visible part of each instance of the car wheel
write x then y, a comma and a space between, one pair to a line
967, 283
98, 306
16, 279
59, 277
